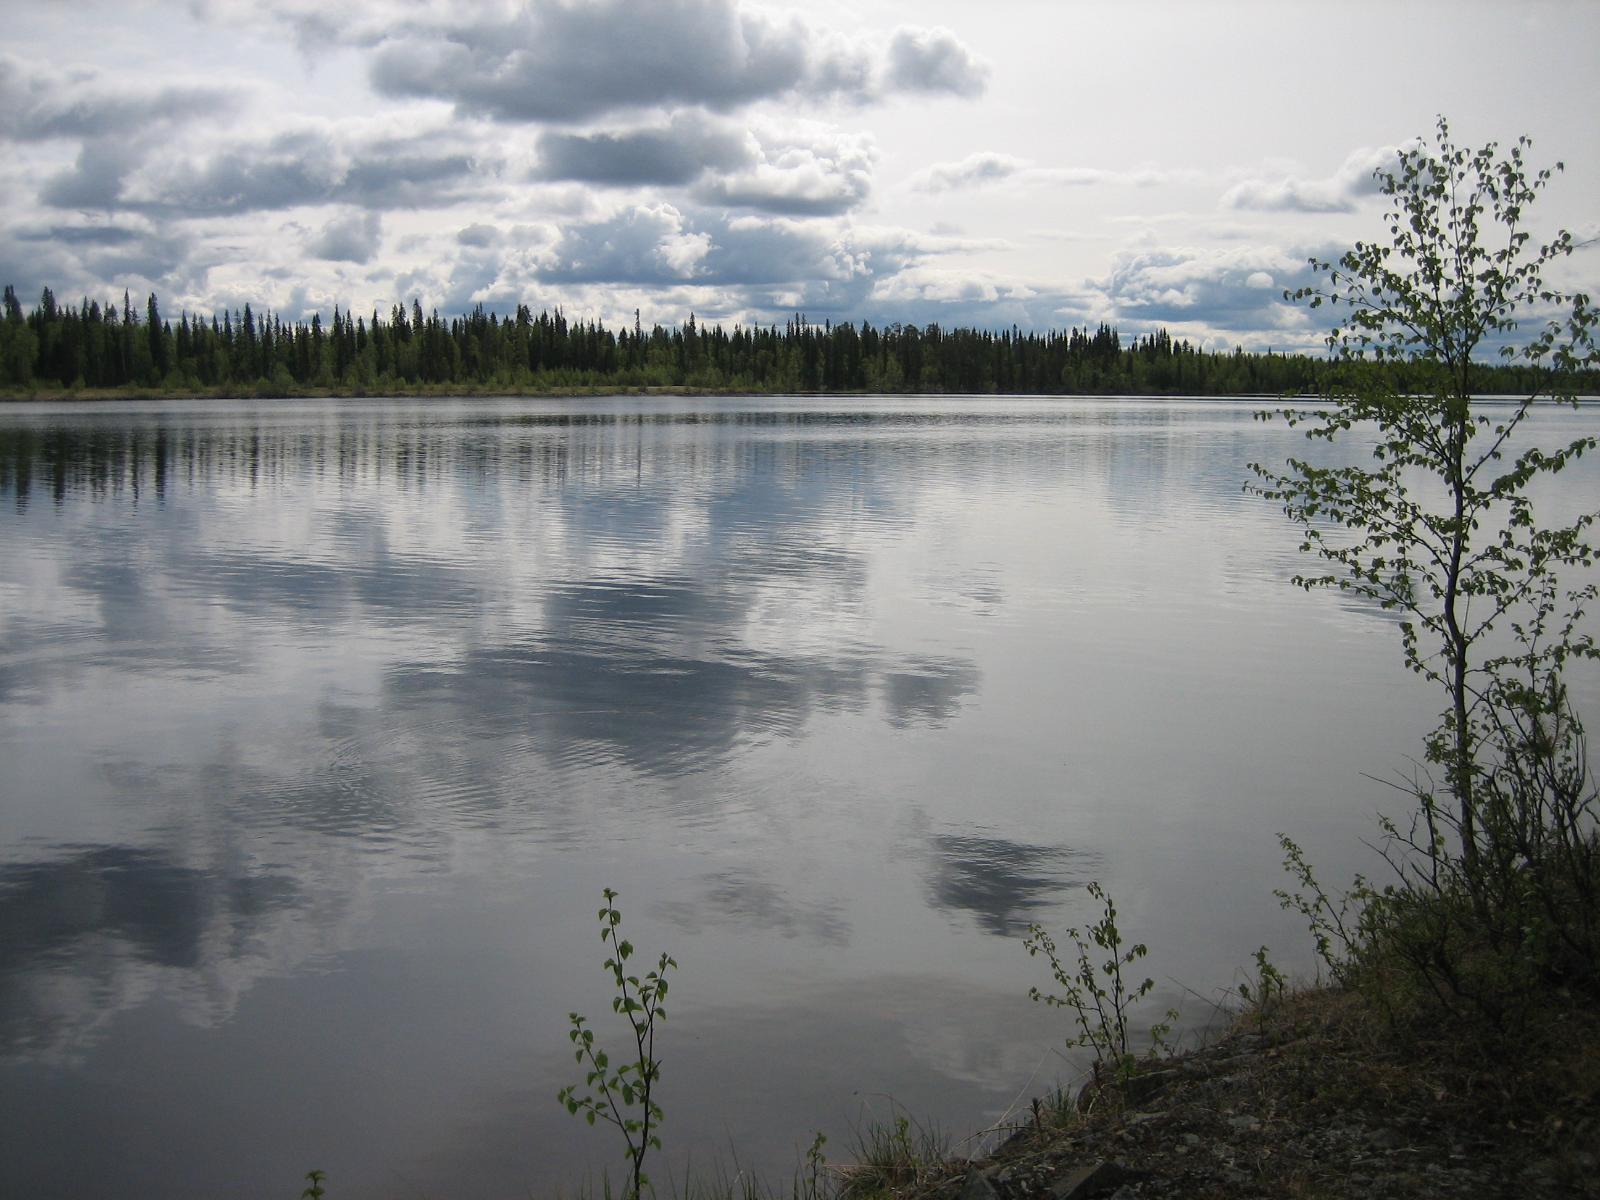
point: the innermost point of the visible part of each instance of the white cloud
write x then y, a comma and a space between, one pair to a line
606, 154
77, 259
950, 296
76, 104
641, 244
1233, 288
989, 167
350, 237
556, 62
789, 168
675, 153
478, 234
934, 60
308, 165
973, 170
801, 171
1337, 193
755, 266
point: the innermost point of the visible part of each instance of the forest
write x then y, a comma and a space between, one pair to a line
61, 348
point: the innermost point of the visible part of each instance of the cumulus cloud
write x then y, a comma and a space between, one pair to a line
288, 170
1339, 192
297, 167
96, 259
95, 180
478, 234
351, 237
929, 292
674, 154
115, 125
621, 95
815, 172
1234, 287
767, 253
945, 286
762, 267
498, 267
790, 168
642, 244
401, 172
552, 61
934, 60
35, 106
769, 265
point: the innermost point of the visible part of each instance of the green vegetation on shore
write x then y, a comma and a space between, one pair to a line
111, 350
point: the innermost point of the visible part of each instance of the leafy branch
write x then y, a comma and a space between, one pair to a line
1096, 992
623, 1096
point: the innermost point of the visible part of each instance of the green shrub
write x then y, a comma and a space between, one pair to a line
1098, 995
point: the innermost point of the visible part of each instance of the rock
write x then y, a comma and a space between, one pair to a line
1095, 1180
1148, 1084
977, 1187
1005, 1176
1243, 1124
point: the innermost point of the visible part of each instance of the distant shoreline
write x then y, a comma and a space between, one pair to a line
70, 395
95, 395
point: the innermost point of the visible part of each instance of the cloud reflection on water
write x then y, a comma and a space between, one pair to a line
440, 667
1001, 883
742, 899
84, 932
538, 597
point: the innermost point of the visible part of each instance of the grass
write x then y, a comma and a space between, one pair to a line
893, 1157
888, 1160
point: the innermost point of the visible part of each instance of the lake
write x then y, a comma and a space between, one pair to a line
324, 723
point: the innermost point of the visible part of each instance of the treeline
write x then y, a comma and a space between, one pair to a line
111, 346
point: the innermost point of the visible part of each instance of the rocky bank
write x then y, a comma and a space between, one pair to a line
1315, 1100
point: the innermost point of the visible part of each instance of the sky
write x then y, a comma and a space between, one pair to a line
1041, 163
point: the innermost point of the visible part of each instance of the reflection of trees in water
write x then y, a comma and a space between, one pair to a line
83, 935
96, 459
1001, 882
876, 454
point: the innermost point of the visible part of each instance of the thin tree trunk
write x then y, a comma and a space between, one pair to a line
1461, 768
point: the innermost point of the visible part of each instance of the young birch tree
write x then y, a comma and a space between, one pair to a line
1439, 524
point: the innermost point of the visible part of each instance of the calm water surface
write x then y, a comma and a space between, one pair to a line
323, 724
